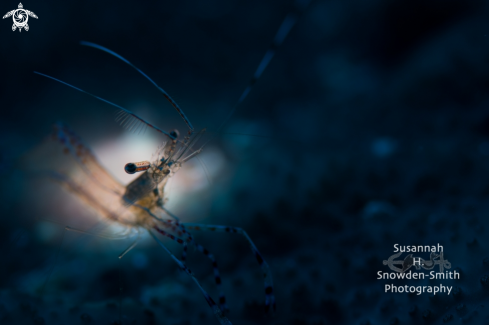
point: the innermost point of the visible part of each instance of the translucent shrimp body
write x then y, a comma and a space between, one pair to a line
140, 204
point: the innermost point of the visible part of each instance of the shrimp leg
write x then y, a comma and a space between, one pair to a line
220, 316
269, 297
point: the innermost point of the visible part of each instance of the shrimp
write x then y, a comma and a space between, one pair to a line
140, 205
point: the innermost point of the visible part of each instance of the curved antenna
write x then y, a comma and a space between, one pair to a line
282, 33
126, 114
172, 102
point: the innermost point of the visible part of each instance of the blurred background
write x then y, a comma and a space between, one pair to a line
370, 127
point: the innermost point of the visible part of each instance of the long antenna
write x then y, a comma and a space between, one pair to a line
172, 102
282, 33
124, 112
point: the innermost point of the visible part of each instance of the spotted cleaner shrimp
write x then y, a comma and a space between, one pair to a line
140, 206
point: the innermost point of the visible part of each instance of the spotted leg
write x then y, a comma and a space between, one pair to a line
180, 230
217, 312
203, 250
269, 297
174, 224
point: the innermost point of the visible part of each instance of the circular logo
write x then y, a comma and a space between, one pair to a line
20, 18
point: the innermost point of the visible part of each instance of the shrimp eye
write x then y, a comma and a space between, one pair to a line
174, 134
130, 168
140, 166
